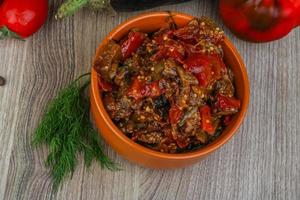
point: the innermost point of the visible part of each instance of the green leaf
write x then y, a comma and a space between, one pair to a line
6, 33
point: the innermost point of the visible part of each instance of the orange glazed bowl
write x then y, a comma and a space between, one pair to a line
150, 22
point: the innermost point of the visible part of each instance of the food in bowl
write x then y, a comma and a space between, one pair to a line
169, 90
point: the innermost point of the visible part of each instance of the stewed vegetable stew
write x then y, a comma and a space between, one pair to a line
169, 90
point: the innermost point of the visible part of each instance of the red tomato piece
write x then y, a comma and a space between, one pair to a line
175, 114
206, 120
134, 41
22, 18
105, 86
227, 103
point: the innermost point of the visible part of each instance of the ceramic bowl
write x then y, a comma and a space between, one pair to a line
139, 154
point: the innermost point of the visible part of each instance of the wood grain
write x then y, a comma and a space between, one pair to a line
261, 162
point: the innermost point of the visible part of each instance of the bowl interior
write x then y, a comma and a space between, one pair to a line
152, 22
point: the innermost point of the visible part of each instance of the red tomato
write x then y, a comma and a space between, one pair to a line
22, 17
207, 68
104, 85
175, 114
206, 120
134, 41
227, 103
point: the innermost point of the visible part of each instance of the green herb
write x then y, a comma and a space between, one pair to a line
67, 130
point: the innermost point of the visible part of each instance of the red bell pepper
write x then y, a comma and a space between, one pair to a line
206, 120
262, 20
227, 103
134, 41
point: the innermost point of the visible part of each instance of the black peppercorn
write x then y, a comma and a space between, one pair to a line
2, 81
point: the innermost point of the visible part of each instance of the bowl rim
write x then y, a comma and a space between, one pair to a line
176, 156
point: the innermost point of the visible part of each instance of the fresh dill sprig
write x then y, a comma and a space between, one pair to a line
67, 130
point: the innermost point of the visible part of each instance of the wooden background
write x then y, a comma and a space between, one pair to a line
261, 162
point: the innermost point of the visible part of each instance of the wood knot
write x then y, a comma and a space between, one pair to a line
2, 81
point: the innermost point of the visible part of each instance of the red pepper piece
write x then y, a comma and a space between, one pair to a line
160, 39
207, 68
135, 136
217, 64
135, 90
189, 33
134, 41
200, 67
105, 86
170, 49
182, 141
262, 20
139, 89
190, 49
151, 90
206, 120
227, 120
227, 103
175, 114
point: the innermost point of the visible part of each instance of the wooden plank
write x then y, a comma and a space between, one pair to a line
12, 68
261, 162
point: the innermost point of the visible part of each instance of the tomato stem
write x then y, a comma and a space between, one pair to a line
6, 33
